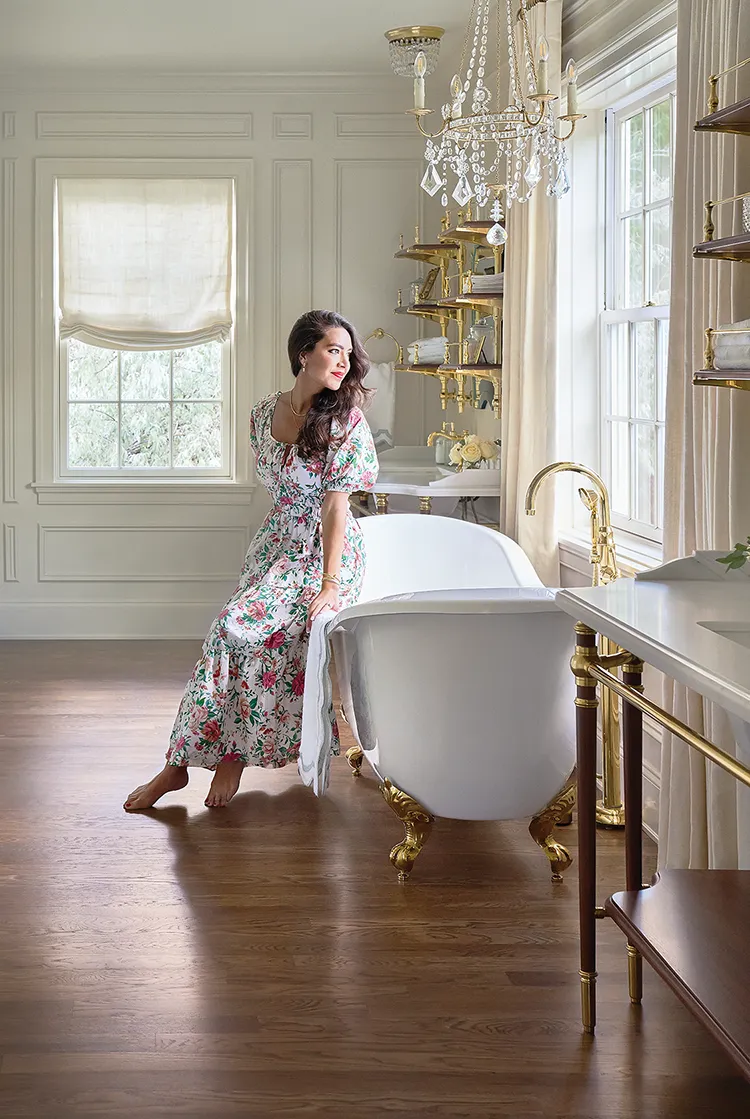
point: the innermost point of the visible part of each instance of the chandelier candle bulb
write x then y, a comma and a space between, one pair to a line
572, 89
456, 88
542, 79
420, 66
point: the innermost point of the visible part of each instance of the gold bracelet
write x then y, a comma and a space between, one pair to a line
326, 578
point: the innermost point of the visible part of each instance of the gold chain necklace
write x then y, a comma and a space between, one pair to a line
299, 415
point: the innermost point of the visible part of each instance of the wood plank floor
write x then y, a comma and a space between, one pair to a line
263, 960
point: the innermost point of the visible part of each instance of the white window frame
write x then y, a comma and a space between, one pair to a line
180, 474
613, 314
51, 483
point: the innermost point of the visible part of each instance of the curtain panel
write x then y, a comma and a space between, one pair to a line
704, 814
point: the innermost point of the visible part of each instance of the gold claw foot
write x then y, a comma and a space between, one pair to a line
542, 826
355, 756
417, 823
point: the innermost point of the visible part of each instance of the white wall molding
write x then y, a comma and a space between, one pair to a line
292, 126
9, 126
292, 253
143, 493
10, 558
643, 25
78, 81
9, 330
143, 126
351, 126
115, 620
139, 553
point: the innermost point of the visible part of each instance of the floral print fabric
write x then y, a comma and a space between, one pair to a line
244, 699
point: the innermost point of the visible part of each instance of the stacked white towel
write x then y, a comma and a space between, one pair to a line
732, 351
430, 350
493, 282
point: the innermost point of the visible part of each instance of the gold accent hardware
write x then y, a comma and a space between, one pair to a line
588, 1000
542, 825
603, 559
378, 332
417, 823
674, 726
425, 504
381, 503
420, 32
713, 81
416, 234
398, 298
635, 974
600, 912
708, 226
355, 757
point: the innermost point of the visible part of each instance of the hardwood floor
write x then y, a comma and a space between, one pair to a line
263, 960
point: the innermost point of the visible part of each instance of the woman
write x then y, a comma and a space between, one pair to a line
313, 447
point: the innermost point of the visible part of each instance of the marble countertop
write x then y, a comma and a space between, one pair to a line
414, 472
696, 630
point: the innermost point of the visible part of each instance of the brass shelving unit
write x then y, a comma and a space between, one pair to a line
449, 255
734, 119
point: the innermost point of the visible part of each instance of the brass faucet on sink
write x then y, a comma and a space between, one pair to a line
609, 810
445, 434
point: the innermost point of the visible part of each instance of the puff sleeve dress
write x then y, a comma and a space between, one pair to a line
244, 699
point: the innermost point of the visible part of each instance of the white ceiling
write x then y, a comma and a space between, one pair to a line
236, 35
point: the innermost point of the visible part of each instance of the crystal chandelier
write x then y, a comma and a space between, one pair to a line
494, 148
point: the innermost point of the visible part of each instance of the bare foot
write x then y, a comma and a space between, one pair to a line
172, 777
225, 784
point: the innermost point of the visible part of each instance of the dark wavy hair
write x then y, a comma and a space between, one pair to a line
316, 435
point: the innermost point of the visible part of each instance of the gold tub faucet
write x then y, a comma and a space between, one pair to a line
609, 810
603, 555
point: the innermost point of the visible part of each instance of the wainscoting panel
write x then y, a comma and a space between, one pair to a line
292, 254
73, 554
163, 126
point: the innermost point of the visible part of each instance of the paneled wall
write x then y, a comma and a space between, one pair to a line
333, 168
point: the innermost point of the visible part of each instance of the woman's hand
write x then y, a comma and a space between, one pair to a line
326, 599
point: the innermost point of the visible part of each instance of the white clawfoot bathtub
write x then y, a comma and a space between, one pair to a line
458, 691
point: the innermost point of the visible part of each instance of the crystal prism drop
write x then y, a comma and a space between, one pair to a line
533, 172
496, 235
463, 191
444, 200
562, 183
431, 181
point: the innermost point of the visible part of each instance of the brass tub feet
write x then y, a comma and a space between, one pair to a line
417, 823
542, 826
355, 757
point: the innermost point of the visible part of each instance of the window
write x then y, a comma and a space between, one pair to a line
635, 322
145, 311
155, 412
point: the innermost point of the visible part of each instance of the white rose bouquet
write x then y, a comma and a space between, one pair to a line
471, 451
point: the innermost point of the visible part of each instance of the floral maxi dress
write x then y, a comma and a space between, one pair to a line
244, 699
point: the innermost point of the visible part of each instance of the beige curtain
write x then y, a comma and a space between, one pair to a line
530, 349
703, 817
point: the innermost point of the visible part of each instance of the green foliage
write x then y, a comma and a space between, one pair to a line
738, 557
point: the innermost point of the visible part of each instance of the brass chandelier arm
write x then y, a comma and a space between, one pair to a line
418, 114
